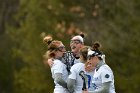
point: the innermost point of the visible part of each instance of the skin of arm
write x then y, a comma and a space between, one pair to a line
58, 78
71, 85
104, 89
85, 91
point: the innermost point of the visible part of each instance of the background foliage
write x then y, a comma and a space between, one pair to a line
114, 23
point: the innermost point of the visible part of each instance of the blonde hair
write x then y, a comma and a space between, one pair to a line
84, 52
52, 46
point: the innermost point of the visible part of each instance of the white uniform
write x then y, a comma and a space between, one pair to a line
76, 61
59, 67
102, 75
89, 80
75, 70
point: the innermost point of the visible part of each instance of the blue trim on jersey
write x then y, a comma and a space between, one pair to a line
89, 80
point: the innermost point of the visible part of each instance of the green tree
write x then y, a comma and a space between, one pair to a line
22, 23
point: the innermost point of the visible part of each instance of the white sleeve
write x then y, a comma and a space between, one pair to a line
72, 73
58, 67
106, 76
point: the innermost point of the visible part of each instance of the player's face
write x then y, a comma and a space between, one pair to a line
61, 50
93, 60
75, 46
89, 66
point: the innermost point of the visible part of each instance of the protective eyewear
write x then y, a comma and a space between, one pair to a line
89, 57
75, 41
61, 48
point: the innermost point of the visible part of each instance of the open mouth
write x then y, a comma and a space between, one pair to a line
73, 47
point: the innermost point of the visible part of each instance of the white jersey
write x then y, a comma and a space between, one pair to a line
76, 61
59, 67
75, 70
102, 75
89, 83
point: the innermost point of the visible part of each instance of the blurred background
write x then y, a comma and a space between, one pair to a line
23, 23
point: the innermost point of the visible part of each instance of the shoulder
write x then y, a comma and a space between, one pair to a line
106, 72
57, 62
77, 66
105, 68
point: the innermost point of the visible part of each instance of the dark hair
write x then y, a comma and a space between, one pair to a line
96, 47
82, 34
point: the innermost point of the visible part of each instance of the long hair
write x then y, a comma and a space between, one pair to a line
52, 46
84, 52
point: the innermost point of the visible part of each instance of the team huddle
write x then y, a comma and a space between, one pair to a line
81, 70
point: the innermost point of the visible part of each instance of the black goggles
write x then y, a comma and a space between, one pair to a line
89, 57
93, 55
75, 42
61, 48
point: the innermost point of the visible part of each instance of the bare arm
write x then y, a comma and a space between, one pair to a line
49, 62
85, 91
